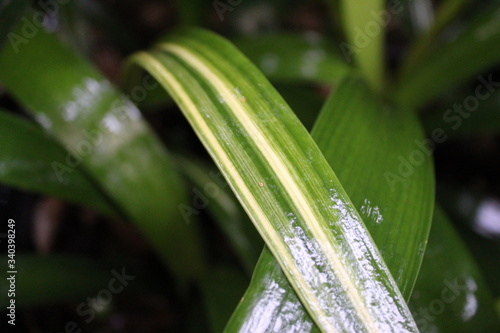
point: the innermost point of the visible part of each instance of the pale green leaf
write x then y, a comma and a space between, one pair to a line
364, 28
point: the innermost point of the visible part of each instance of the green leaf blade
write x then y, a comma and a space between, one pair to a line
355, 134
31, 167
107, 134
452, 63
387, 171
454, 297
359, 16
282, 181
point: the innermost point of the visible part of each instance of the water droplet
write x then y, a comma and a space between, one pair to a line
371, 212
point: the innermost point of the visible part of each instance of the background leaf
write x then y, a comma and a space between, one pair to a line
365, 38
106, 133
452, 64
446, 12
211, 191
294, 57
475, 213
453, 298
26, 156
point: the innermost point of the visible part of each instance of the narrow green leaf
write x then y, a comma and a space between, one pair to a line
107, 135
365, 38
27, 157
469, 53
283, 182
368, 145
453, 298
294, 57
424, 43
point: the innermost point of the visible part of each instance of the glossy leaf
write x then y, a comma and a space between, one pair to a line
451, 64
368, 145
283, 182
270, 304
107, 135
26, 161
453, 298
367, 142
294, 58
365, 35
